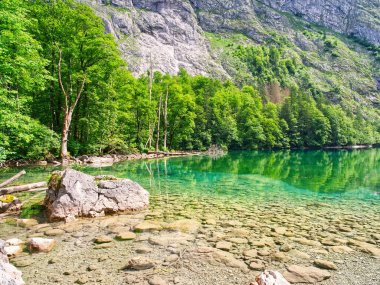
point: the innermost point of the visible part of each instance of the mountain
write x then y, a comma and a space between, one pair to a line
336, 42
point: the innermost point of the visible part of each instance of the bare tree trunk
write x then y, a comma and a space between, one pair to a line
68, 109
65, 134
158, 123
149, 142
10, 180
22, 188
166, 116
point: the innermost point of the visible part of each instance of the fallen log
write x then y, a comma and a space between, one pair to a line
10, 180
21, 188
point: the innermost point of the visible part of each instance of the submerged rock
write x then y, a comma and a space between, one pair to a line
325, 264
303, 274
9, 275
74, 194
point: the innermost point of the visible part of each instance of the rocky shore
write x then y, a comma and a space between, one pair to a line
183, 239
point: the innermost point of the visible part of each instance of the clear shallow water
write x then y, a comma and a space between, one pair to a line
330, 198
317, 175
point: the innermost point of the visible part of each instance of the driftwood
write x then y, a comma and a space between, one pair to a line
10, 180
21, 188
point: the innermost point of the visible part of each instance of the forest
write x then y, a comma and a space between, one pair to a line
65, 91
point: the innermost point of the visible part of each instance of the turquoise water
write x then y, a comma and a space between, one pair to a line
317, 196
318, 175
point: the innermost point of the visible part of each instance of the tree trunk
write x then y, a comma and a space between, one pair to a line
149, 142
10, 180
158, 124
65, 134
22, 188
67, 93
166, 116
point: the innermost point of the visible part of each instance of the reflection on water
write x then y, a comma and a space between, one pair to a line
258, 174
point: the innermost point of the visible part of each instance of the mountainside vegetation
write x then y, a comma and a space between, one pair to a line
65, 91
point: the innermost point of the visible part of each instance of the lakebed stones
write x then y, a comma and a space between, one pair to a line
305, 274
9, 275
366, 247
41, 244
270, 278
73, 194
229, 260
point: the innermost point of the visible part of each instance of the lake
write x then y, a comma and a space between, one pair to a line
289, 207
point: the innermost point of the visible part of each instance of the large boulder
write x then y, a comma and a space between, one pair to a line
9, 275
74, 194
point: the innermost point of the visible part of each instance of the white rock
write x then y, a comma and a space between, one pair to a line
13, 241
270, 278
41, 244
9, 275
13, 250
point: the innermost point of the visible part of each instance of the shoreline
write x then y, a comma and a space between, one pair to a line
97, 161
109, 159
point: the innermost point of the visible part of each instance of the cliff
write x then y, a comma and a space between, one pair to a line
200, 36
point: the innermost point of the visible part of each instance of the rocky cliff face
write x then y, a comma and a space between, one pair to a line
164, 34
359, 18
170, 34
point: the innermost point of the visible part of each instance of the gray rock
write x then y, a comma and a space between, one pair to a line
74, 194
9, 275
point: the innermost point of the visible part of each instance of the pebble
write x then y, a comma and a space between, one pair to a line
156, 280
82, 280
250, 253
140, 263
257, 265
126, 236
103, 239
325, 264
143, 250
54, 232
224, 245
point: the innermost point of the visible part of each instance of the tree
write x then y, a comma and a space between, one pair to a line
85, 53
22, 74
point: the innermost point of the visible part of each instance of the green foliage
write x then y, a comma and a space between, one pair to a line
23, 137
268, 64
32, 211
117, 113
